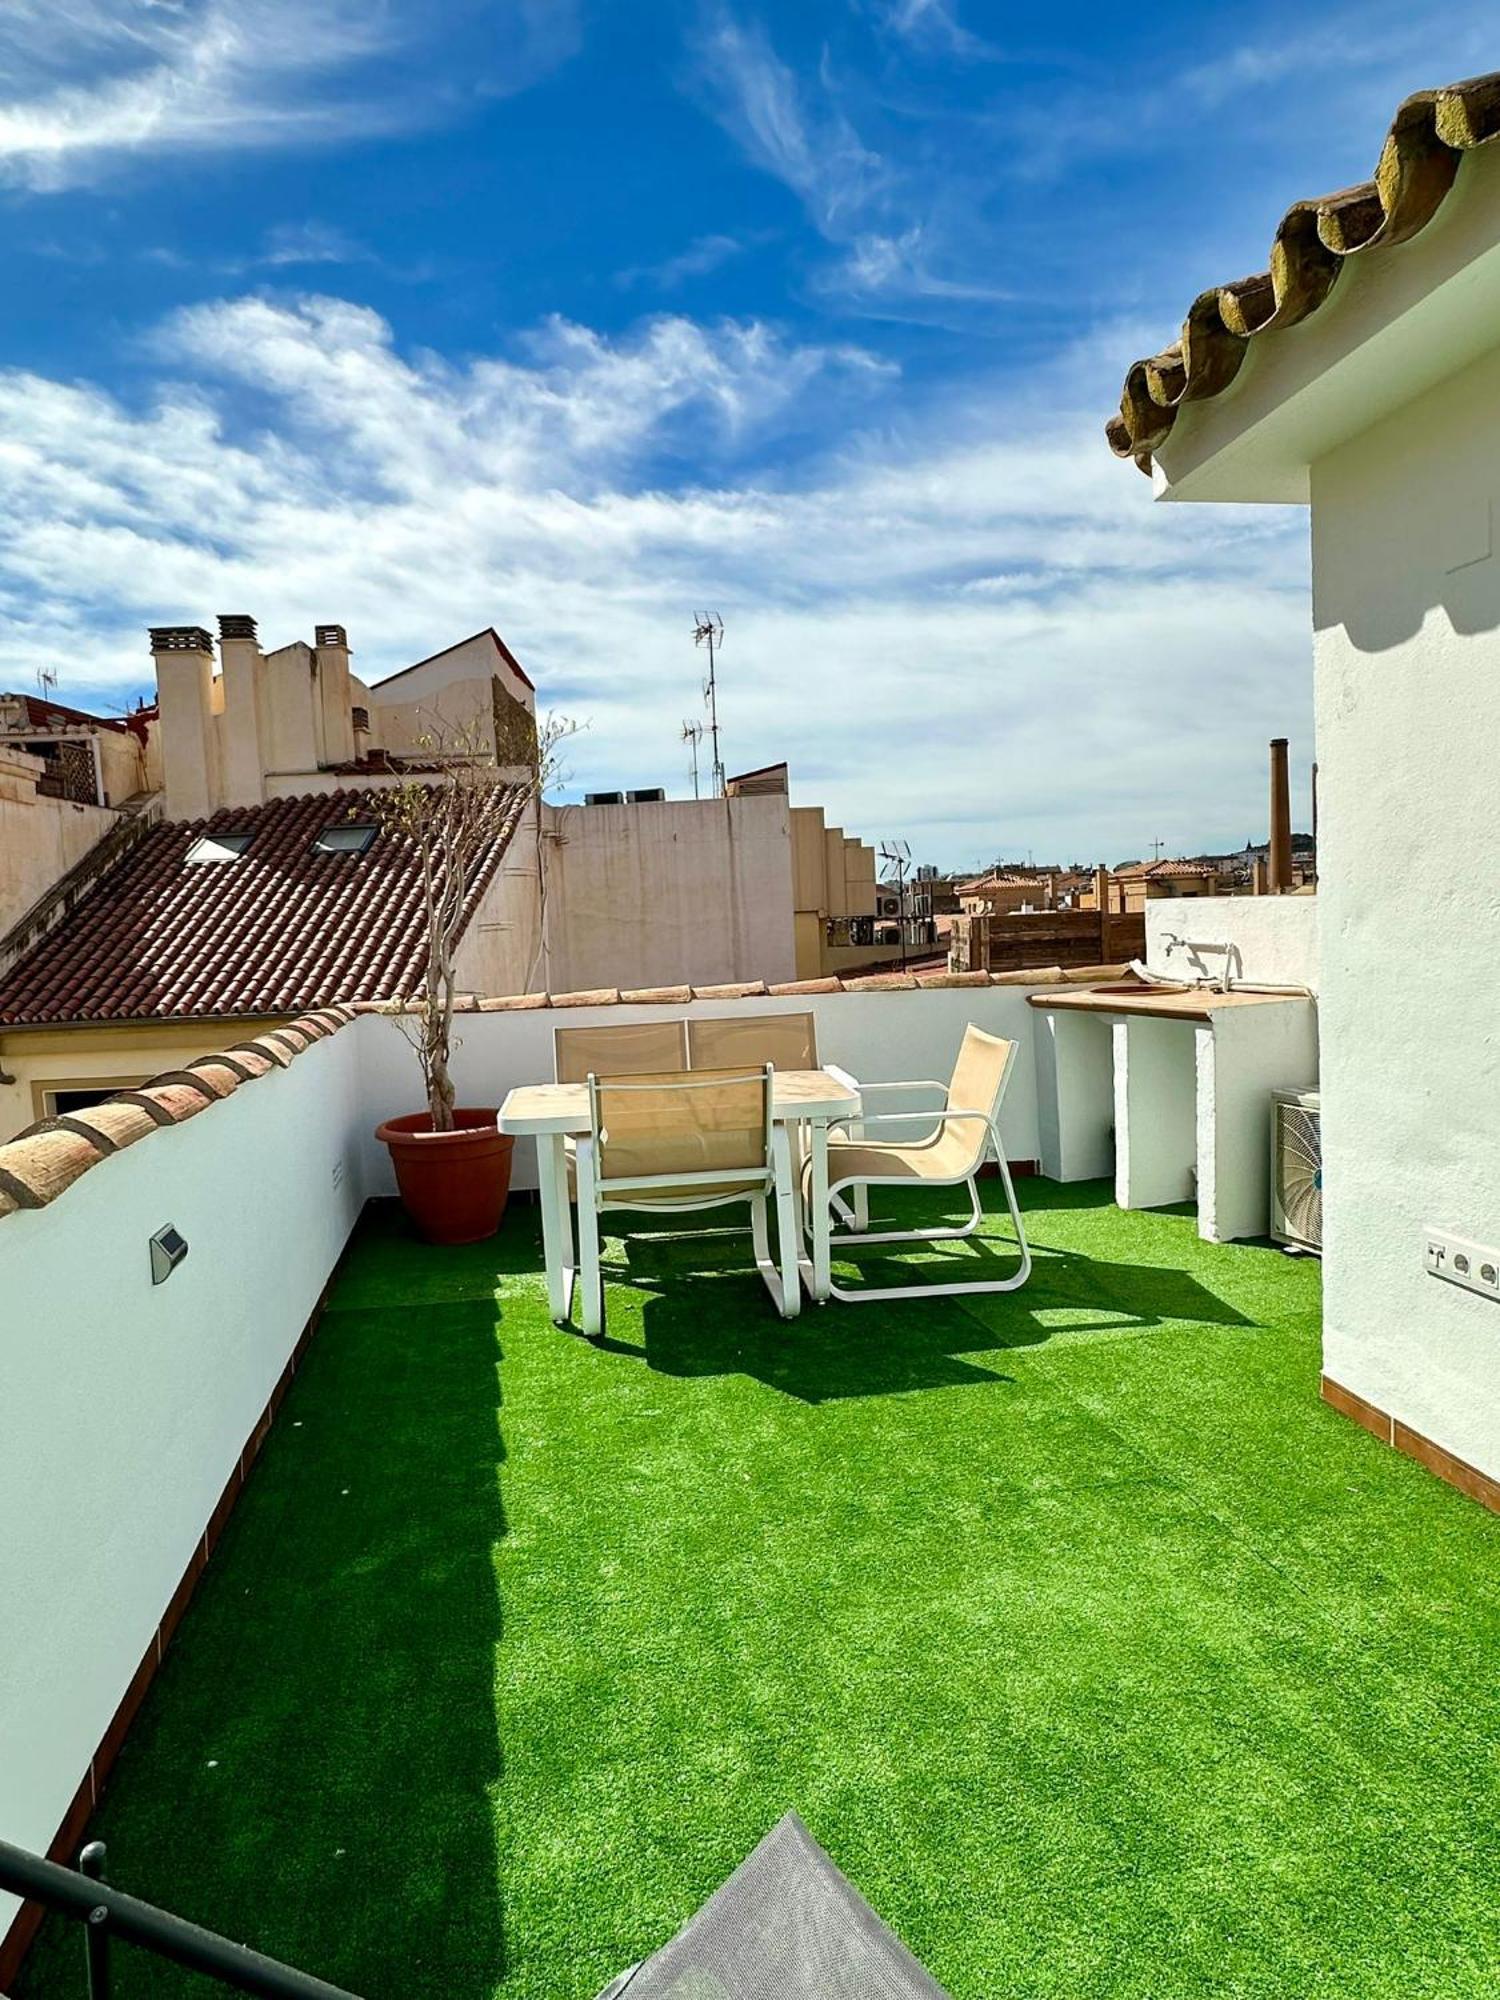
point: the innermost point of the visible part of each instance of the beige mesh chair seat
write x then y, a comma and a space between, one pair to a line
679, 1141
942, 1147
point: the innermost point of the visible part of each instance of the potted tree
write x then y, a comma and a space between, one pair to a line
452, 1163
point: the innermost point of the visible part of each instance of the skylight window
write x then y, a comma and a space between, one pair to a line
219, 846
345, 839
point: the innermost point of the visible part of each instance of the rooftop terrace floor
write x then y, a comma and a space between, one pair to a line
1103, 1657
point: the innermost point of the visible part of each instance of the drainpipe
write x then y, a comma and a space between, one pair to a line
1280, 857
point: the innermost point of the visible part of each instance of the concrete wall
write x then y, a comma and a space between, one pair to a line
1406, 598
126, 1405
683, 891
454, 691
881, 1037
1275, 938
40, 838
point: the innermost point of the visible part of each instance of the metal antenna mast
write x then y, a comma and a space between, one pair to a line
692, 732
897, 854
709, 631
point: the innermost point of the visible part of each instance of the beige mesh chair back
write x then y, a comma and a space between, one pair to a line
786, 1041
944, 1147
657, 1137
681, 1140
632, 1048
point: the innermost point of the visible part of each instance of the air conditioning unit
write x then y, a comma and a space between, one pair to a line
651, 795
1297, 1169
604, 798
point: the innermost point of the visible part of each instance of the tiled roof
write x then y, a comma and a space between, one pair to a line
41, 714
1004, 879
1427, 138
1134, 871
278, 930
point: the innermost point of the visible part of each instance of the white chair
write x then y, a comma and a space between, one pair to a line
677, 1142
962, 1131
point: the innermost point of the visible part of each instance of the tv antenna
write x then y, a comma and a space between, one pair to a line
46, 680
692, 732
897, 854
709, 631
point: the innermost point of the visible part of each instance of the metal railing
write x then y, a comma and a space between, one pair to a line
106, 1914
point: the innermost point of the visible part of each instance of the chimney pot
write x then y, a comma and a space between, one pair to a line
1279, 855
235, 625
180, 639
330, 635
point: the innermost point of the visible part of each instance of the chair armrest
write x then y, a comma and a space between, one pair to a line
929, 1084
870, 1118
842, 1076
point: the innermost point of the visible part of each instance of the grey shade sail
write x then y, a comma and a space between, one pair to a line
785, 1926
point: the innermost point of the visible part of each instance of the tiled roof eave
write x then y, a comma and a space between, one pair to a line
1428, 137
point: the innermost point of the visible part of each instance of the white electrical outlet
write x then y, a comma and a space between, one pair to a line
1475, 1266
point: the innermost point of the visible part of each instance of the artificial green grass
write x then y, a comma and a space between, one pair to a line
1103, 1657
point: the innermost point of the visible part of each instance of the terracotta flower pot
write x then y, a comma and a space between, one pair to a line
454, 1184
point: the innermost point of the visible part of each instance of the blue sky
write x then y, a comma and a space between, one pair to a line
573, 316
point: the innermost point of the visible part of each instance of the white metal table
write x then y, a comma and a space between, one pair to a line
804, 1101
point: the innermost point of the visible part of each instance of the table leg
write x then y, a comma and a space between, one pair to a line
557, 1223
788, 1223
821, 1218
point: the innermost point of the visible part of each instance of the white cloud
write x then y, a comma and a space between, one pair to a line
984, 636
703, 256
93, 82
931, 26
801, 137
311, 242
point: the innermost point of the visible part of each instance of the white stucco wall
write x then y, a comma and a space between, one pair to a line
1406, 585
879, 1037
124, 1406
1275, 938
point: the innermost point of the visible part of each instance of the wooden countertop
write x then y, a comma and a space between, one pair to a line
1166, 1003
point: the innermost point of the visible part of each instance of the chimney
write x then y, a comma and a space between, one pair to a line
243, 747
336, 716
184, 687
1258, 876
1279, 859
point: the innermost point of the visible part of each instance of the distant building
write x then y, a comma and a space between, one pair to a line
133, 930
1142, 882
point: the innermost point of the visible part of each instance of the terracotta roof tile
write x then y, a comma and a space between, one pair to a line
1417, 165
279, 930
42, 1162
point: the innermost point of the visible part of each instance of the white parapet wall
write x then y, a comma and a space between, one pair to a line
125, 1405
1274, 939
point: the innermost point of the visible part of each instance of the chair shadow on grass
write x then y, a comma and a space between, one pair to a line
338, 1666
705, 1311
